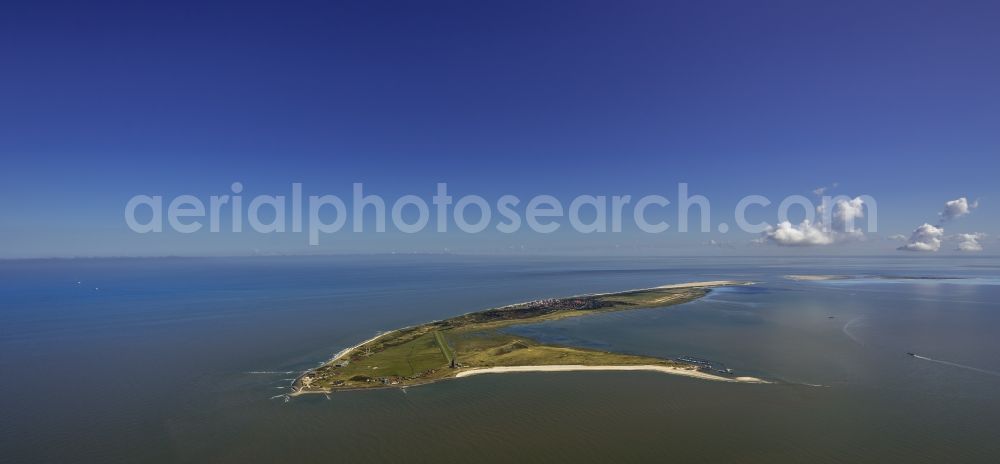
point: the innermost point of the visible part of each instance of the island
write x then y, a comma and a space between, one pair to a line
475, 343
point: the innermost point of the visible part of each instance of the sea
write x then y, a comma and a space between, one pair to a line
190, 360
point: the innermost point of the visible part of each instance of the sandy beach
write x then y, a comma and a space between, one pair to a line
707, 283
345, 351
575, 367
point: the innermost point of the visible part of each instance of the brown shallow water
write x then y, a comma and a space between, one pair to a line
597, 417
158, 368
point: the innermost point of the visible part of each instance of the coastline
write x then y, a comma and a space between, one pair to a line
303, 384
686, 372
704, 284
680, 371
346, 351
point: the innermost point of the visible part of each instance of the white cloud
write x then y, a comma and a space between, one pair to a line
804, 234
819, 191
844, 214
898, 237
957, 208
924, 238
969, 242
839, 227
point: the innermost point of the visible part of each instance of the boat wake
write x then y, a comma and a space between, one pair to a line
849, 325
960, 366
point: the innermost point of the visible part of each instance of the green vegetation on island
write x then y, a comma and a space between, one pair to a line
443, 349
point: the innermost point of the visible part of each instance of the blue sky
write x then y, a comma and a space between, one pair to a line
100, 102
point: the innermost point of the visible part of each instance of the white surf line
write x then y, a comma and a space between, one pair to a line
345, 351
961, 366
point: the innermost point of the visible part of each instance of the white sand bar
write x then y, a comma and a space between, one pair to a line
579, 367
707, 283
815, 278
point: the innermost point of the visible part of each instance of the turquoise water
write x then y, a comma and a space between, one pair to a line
185, 360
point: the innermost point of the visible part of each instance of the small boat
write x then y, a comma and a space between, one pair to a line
911, 354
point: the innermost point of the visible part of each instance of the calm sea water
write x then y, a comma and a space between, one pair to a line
186, 360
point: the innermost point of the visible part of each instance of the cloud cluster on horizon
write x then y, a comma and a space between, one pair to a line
969, 242
809, 233
928, 237
924, 238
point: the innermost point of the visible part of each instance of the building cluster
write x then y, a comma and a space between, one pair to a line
563, 304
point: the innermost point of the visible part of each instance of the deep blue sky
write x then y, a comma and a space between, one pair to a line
102, 101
